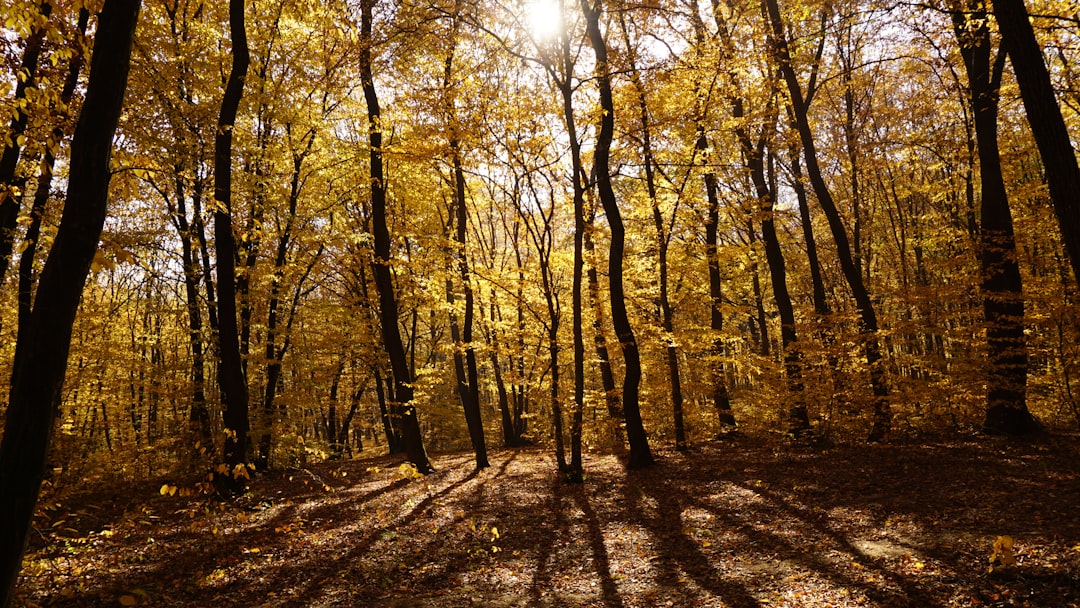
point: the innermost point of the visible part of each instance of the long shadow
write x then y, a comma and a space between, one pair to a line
324, 569
541, 576
678, 549
601, 561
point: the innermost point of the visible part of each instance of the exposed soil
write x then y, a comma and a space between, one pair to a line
739, 523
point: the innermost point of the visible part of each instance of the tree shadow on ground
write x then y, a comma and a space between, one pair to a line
748, 524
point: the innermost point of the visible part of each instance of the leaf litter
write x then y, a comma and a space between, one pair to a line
740, 523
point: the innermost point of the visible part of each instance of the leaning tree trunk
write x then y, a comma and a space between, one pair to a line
402, 405
43, 191
10, 184
1044, 116
640, 454
1002, 287
882, 417
41, 358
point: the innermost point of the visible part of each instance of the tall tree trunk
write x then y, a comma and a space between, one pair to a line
231, 377
1044, 116
464, 353
272, 352
640, 454
11, 185
44, 188
41, 358
882, 417
1002, 287
402, 404
663, 241
720, 397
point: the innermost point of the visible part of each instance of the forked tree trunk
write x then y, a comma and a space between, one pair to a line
663, 240
41, 357
882, 417
10, 184
1044, 116
465, 368
1002, 287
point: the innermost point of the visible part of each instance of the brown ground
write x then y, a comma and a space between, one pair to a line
737, 523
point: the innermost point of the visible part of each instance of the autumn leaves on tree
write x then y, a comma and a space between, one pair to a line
840, 219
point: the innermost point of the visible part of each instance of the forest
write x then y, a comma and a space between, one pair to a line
725, 303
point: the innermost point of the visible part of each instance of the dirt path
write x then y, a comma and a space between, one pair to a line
741, 523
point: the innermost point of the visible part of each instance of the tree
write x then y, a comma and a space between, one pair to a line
402, 404
1044, 116
41, 357
465, 367
10, 185
882, 418
231, 376
1002, 287
640, 454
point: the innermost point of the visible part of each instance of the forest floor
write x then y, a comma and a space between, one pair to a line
741, 522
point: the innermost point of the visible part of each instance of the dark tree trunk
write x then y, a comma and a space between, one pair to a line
402, 405
753, 153
394, 445
10, 185
199, 416
1002, 287
44, 190
640, 454
721, 399
882, 417
41, 357
275, 354
465, 367
663, 240
231, 377
798, 417
1044, 116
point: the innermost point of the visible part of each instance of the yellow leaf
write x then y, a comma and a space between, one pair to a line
1003, 553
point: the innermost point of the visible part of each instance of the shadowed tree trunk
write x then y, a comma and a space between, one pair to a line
44, 190
1044, 116
1002, 287
41, 357
231, 377
465, 367
11, 185
640, 454
882, 417
401, 403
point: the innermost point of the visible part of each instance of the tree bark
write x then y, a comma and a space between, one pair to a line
1044, 116
1002, 286
402, 405
231, 377
640, 454
41, 357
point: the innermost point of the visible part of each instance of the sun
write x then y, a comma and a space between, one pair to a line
544, 18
